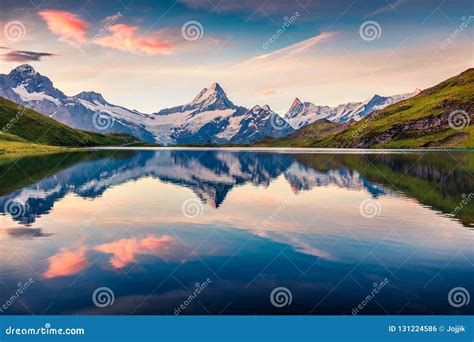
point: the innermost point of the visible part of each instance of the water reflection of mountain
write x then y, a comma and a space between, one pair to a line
212, 174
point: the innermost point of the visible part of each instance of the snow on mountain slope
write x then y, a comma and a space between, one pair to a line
209, 118
27, 96
212, 117
257, 123
363, 109
301, 114
87, 110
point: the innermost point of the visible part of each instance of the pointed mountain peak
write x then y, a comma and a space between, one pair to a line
213, 97
24, 70
216, 87
296, 102
91, 96
214, 91
375, 98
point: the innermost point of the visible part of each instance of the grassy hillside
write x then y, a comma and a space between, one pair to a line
421, 121
22, 129
308, 135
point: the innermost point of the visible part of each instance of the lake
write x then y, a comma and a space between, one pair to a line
222, 231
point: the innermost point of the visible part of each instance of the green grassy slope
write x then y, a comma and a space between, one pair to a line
306, 136
22, 128
421, 121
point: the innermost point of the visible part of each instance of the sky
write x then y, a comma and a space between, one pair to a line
150, 55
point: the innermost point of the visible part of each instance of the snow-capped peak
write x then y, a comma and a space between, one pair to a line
295, 103
215, 91
23, 70
211, 98
91, 96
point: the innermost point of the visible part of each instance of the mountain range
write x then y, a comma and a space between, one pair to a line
437, 117
302, 114
211, 117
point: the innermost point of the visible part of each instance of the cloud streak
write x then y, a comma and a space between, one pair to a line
255, 7
125, 38
389, 7
25, 56
66, 263
292, 50
68, 26
125, 251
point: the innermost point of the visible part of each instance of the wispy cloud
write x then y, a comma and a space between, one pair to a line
125, 251
125, 38
389, 7
25, 56
255, 7
68, 26
267, 92
292, 50
66, 263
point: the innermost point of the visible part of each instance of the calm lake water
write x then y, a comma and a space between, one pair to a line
237, 232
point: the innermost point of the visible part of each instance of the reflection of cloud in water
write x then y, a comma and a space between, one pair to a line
26, 233
66, 263
125, 251
302, 243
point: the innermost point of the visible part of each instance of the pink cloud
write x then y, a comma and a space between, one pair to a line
267, 92
68, 26
66, 263
125, 251
124, 37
